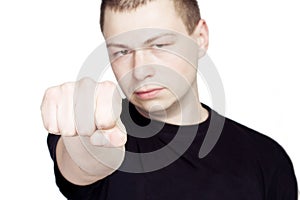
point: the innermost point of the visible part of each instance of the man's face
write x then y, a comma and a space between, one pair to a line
152, 55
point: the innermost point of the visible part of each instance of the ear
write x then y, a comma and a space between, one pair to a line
201, 36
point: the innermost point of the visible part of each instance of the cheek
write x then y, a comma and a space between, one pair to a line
119, 71
121, 66
181, 67
124, 77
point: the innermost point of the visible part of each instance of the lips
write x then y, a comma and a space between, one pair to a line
148, 94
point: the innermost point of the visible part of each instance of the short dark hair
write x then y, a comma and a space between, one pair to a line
188, 10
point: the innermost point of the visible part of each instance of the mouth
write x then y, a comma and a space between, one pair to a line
148, 94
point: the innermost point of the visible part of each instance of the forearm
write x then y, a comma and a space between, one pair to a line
81, 167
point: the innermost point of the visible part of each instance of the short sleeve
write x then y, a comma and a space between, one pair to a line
283, 183
68, 189
277, 168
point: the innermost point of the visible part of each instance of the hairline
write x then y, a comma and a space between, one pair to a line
117, 9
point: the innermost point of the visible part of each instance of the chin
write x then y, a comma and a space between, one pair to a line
154, 106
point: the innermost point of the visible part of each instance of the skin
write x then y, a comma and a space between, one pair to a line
168, 104
137, 72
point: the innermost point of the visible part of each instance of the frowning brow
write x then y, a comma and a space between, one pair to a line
122, 46
148, 41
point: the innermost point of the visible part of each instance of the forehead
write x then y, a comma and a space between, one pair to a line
156, 14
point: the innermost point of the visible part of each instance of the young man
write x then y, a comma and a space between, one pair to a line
154, 47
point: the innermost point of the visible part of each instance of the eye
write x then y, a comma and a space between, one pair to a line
122, 52
159, 45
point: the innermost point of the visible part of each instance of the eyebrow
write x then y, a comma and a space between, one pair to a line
117, 45
146, 42
159, 36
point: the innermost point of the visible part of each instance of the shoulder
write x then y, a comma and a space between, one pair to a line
265, 150
259, 141
266, 155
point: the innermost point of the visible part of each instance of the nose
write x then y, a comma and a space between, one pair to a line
143, 65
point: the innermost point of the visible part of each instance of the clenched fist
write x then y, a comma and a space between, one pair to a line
85, 108
87, 116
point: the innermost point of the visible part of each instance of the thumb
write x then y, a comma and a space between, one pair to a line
113, 137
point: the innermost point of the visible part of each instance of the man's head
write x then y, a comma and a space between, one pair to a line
154, 47
188, 10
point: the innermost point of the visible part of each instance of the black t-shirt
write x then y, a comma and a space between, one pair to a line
243, 165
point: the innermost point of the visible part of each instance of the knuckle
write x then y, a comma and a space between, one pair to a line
106, 87
67, 133
67, 87
52, 130
86, 81
52, 92
50, 97
105, 123
109, 89
108, 84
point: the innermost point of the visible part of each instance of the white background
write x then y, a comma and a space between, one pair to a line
254, 44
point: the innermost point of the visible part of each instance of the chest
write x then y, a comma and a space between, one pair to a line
185, 182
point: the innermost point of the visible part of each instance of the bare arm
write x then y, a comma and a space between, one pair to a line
94, 146
94, 170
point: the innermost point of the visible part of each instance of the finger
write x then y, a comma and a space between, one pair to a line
48, 111
65, 116
109, 138
84, 106
108, 105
